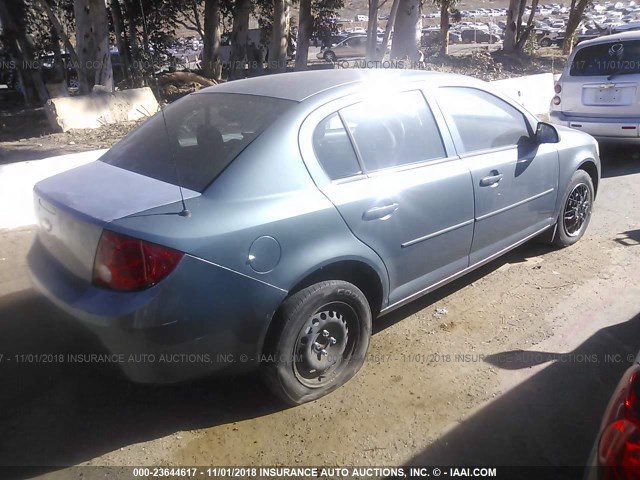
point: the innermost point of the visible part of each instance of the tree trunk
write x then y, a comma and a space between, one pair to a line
22, 52
59, 68
57, 26
575, 17
527, 32
123, 47
239, 37
387, 30
511, 31
92, 41
132, 42
279, 40
305, 25
444, 27
406, 35
372, 31
211, 65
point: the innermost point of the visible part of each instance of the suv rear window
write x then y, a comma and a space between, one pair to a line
607, 59
204, 134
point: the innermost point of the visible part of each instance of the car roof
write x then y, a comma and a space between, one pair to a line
632, 35
299, 86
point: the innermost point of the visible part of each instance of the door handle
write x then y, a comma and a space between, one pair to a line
492, 179
376, 213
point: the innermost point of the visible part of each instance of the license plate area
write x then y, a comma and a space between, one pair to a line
608, 95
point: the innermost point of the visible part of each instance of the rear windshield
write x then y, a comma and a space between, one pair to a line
203, 134
607, 59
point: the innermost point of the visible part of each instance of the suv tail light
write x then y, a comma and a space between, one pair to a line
619, 444
125, 263
557, 88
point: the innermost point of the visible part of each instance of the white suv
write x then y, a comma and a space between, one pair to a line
599, 90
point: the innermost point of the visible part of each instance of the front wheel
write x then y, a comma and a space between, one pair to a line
318, 343
576, 210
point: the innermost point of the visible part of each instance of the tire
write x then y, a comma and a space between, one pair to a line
329, 56
575, 215
545, 42
329, 326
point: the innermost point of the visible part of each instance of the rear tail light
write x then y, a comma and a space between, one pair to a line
126, 263
619, 444
557, 88
556, 100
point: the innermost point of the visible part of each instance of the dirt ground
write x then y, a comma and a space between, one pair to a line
506, 366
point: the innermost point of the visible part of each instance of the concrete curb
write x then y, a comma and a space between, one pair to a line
533, 92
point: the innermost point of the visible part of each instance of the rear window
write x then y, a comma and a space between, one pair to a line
607, 59
204, 133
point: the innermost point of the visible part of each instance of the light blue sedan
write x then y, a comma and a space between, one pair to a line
267, 222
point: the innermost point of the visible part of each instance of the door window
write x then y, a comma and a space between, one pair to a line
393, 131
483, 121
334, 149
355, 42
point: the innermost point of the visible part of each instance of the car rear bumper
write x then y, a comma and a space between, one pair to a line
200, 320
605, 129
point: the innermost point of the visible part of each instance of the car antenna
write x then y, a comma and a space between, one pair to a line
185, 211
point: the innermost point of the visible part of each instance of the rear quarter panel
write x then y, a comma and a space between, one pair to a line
266, 191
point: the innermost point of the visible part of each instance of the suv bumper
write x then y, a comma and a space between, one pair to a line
604, 129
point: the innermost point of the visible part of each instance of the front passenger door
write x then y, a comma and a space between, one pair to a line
515, 179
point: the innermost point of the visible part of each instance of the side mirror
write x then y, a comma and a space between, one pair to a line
546, 133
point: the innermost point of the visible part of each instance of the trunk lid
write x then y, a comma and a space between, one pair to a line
599, 97
73, 207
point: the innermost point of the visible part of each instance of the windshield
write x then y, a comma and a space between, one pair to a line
206, 132
607, 59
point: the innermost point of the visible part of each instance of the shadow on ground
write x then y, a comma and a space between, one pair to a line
551, 419
619, 160
630, 238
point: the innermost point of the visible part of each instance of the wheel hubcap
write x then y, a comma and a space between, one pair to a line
324, 344
577, 210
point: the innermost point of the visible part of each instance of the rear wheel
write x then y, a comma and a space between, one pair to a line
545, 42
319, 341
576, 210
329, 56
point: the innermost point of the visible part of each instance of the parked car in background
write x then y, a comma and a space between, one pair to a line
354, 46
186, 238
331, 40
479, 36
599, 89
433, 37
615, 452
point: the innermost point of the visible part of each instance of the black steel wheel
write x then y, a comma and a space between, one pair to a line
318, 342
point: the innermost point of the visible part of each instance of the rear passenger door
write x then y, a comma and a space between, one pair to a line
388, 171
515, 179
